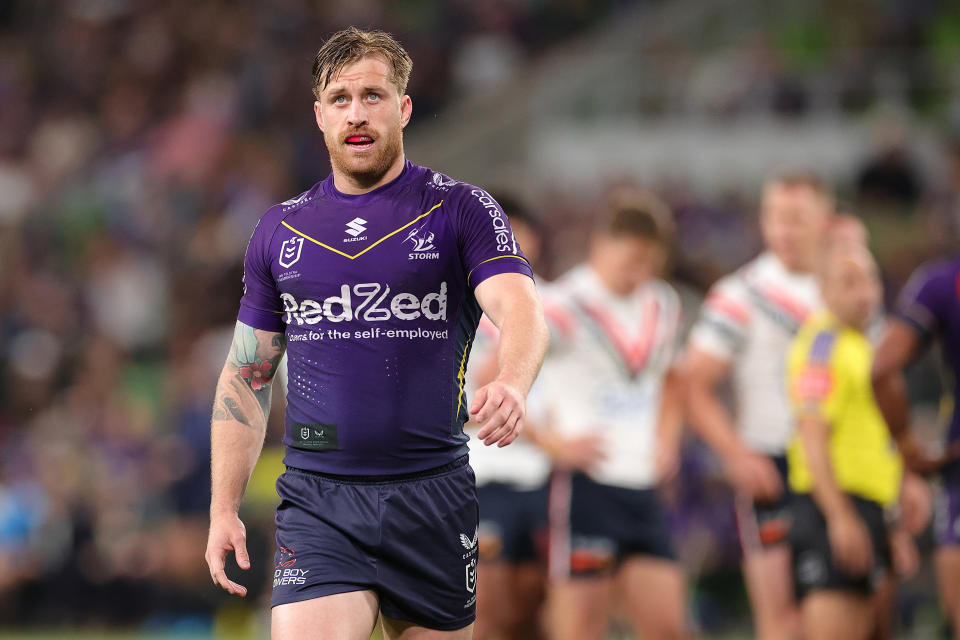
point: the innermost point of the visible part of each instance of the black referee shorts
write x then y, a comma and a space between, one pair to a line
813, 566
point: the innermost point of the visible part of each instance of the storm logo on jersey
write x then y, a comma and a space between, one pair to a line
370, 301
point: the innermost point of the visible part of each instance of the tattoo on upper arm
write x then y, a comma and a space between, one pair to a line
254, 357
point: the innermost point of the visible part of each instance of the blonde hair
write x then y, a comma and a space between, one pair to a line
350, 45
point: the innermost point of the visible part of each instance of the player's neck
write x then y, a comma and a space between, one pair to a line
847, 322
347, 184
609, 281
799, 267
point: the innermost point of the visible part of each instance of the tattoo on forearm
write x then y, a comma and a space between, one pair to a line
235, 411
254, 356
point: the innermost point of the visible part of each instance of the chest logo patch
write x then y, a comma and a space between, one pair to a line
422, 243
290, 252
354, 228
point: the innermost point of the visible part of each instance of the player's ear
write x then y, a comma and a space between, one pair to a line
318, 113
406, 110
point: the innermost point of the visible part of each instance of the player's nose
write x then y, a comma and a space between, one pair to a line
358, 114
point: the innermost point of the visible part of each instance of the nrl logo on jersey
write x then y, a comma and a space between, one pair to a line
290, 252
441, 182
423, 247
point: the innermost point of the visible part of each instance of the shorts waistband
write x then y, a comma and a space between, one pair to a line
381, 479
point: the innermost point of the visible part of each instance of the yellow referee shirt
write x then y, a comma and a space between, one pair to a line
829, 378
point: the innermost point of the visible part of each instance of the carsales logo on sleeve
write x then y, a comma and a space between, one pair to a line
505, 241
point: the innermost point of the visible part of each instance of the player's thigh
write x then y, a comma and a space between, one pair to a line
947, 563
833, 614
655, 591
578, 608
341, 616
403, 630
884, 608
528, 583
493, 597
768, 573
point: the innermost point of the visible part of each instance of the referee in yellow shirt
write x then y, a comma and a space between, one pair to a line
842, 463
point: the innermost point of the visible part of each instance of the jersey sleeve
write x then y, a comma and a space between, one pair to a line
816, 379
260, 306
724, 321
486, 240
921, 302
673, 323
559, 314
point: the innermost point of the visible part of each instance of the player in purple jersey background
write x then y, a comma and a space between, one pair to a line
929, 309
373, 282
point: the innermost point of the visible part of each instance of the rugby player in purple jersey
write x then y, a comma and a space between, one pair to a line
928, 308
373, 282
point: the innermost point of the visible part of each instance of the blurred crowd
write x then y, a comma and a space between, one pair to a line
139, 143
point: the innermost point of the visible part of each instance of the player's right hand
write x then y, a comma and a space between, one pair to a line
850, 543
499, 408
755, 475
581, 452
227, 533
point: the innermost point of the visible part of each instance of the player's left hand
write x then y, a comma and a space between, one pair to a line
667, 460
499, 409
916, 503
903, 552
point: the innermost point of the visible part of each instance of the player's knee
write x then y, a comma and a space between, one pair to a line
667, 624
672, 630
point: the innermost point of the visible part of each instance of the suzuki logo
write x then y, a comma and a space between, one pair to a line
356, 226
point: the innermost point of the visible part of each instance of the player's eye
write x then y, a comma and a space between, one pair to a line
373, 96
340, 100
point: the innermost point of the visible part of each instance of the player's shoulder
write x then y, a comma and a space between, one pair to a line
942, 270
664, 291
820, 339
565, 288
558, 300
930, 284
457, 191
275, 215
736, 282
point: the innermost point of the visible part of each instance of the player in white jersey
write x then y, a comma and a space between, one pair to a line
613, 430
745, 327
511, 487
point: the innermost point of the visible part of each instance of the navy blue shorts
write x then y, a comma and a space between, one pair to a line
513, 523
594, 527
412, 539
764, 524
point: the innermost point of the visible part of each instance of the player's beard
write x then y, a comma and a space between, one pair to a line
366, 171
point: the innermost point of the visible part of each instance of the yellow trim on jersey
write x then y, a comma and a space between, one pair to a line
491, 259
462, 376
353, 257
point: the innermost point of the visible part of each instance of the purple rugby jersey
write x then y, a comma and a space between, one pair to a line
930, 303
375, 295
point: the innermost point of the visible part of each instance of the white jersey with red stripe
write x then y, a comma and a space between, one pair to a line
749, 319
521, 464
605, 369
